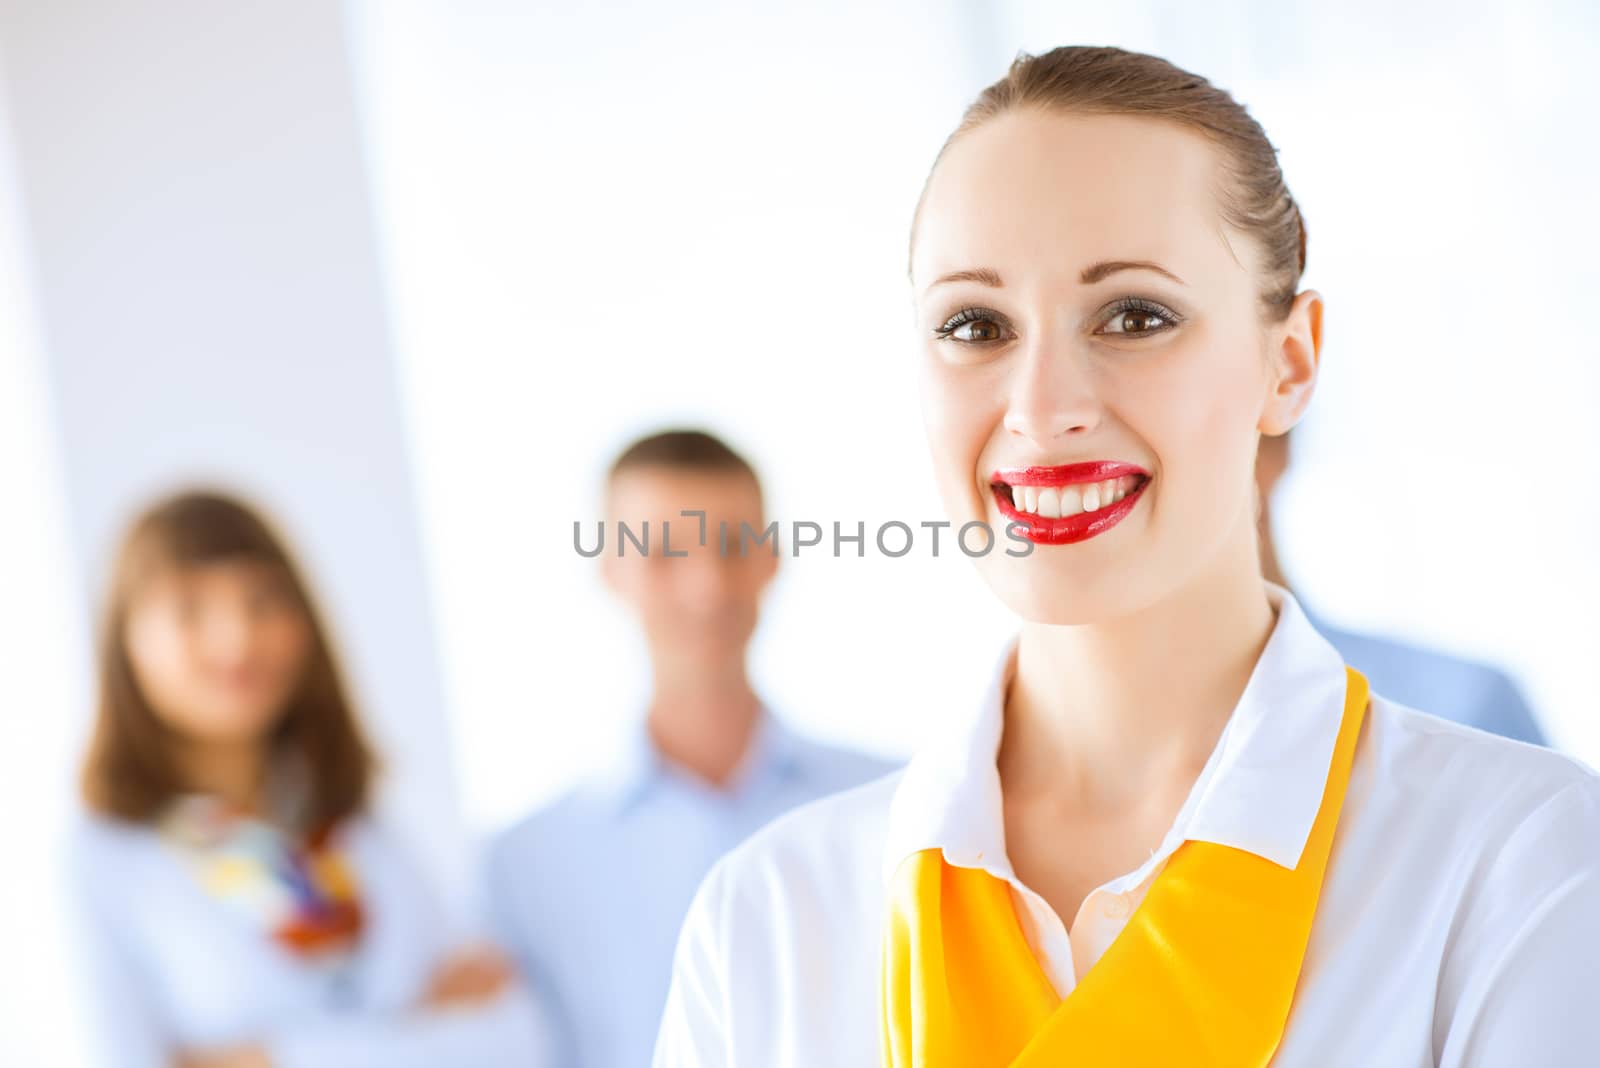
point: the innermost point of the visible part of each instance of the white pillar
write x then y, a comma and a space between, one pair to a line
209, 296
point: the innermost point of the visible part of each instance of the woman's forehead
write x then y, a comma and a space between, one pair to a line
1032, 187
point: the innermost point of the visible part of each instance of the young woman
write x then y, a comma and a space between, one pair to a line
1175, 829
243, 909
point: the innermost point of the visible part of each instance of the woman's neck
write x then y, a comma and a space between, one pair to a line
1108, 714
236, 772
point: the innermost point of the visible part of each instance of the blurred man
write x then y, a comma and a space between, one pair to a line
589, 893
1475, 694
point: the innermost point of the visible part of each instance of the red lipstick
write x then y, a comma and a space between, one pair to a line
1044, 530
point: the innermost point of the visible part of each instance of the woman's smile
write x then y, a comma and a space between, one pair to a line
1066, 503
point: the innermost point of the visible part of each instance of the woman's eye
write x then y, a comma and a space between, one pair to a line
1138, 321
972, 326
978, 330
1134, 322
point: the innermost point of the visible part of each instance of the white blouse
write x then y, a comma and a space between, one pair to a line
1459, 922
173, 968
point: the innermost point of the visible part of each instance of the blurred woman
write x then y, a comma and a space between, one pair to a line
243, 909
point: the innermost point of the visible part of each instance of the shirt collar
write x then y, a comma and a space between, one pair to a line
638, 767
1260, 790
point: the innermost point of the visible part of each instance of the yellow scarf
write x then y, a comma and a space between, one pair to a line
1203, 974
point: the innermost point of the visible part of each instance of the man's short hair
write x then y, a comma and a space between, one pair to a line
682, 450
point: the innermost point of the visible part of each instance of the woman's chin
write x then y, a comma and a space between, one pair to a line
1060, 594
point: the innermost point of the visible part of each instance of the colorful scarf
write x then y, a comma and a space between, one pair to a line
298, 889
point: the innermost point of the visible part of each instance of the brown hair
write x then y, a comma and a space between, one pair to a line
1110, 81
682, 450
129, 772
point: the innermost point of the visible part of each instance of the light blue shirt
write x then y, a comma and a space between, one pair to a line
589, 894
1474, 694
170, 967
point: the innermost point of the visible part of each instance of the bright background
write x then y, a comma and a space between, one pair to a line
604, 218
409, 273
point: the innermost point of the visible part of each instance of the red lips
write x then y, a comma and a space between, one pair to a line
1074, 528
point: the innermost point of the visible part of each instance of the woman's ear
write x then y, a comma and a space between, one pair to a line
1296, 344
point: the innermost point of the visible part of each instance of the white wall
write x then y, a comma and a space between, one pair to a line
210, 306
604, 218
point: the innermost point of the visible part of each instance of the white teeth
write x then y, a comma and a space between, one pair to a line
1062, 502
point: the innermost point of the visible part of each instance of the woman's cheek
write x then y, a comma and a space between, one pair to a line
1195, 416
290, 647
964, 409
155, 646
946, 427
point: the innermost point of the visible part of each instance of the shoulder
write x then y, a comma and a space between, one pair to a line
1490, 851
102, 850
1419, 742
1479, 790
835, 767
806, 890
119, 875
571, 821
845, 823
91, 834
814, 857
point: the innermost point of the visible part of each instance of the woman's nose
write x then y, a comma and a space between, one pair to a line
1051, 396
227, 635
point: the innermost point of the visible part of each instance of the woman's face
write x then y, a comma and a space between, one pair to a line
218, 649
1097, 365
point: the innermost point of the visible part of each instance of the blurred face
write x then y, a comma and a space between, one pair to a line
218, 649
704, 605
1096, 363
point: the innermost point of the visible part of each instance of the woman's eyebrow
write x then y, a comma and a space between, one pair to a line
1089, 276
1093, 274
981, 275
